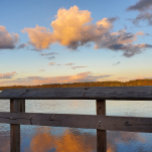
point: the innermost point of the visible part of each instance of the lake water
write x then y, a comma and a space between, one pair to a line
56, 139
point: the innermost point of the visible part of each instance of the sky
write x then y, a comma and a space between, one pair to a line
66, 41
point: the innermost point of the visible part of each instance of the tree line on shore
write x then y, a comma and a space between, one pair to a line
141, 82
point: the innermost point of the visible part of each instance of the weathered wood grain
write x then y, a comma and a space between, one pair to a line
79, 121
16, 106
101, 134
119, 93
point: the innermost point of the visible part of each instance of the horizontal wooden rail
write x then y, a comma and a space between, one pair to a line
119, 93
135, 124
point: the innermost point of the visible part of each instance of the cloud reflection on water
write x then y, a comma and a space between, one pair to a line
73, 140
47, 139
4, 143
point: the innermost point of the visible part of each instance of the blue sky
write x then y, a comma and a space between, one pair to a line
70, 41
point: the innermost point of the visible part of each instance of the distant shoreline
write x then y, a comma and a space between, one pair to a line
140, 82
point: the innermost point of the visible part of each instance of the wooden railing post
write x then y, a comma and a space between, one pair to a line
16, 106
101, 134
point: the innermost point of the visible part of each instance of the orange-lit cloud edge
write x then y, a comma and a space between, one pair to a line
73, 28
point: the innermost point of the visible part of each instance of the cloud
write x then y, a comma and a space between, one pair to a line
23, 45
7, 40
38, 80
8, 75
73, 66
141, 5
80, 77
52, 63
122, 41
50, 56
144, 16
69, 64
69, 26
67, 29
144, 8
78, 67
73, 28
40, 37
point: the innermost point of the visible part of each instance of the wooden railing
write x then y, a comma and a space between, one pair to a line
101, 122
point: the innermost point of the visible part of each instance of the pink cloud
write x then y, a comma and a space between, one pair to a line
8, 75
38, 80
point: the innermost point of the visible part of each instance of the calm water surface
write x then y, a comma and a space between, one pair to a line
55, 139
